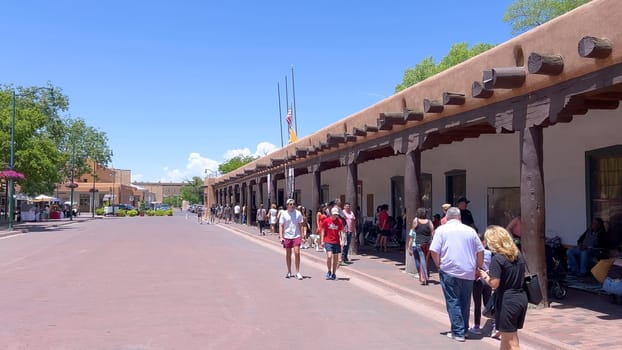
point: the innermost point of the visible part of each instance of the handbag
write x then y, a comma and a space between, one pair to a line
531, 284
489, 308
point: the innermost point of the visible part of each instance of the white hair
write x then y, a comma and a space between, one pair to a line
453, 213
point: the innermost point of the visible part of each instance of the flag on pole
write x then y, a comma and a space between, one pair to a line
290, 126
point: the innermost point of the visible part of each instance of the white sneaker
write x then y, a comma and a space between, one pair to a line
299, 276
317, 249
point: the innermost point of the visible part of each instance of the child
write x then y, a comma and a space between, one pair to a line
481, 290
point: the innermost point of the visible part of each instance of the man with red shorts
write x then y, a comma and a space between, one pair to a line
329, 238
289, 233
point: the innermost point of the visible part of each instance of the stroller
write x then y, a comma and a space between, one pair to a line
555, 267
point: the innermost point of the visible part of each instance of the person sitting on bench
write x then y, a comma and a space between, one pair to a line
589, 244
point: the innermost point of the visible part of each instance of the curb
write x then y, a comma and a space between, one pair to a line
530, 339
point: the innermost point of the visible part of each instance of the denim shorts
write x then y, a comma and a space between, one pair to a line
334, 248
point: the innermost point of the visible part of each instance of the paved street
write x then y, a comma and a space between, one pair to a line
169, 283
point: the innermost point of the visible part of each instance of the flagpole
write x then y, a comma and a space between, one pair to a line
286, 94
278, 89
294, 101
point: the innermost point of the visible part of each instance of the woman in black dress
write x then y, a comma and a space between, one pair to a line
506, 274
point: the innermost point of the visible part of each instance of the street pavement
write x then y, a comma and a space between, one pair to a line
580, 321
170, 283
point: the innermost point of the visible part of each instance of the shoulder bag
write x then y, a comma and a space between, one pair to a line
489, 308
531, 284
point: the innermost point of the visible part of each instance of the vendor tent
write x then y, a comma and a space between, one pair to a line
42, 198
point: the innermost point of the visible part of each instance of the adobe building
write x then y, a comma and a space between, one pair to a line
531, 127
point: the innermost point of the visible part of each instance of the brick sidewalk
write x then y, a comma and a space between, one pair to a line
580, 321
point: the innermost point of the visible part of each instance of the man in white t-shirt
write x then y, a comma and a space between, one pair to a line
289, 233
236, 213
458, 252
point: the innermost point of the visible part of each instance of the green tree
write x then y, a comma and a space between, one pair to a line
458, 53
526, 14
80, 143
192, 191
36, 118
44, 139
235, 163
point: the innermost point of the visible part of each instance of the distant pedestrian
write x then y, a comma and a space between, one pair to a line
424, 231
458, 252
236, 213
465, 214
227, 213
273, 220
243, 214
290, 236
481, 293
445, 207
320, 216
350, 229
261, 219
329, 239
384, 226
200, 214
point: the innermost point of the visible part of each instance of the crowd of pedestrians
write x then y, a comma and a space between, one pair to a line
471, 266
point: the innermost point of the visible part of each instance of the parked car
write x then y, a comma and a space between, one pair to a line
113, 209
164, 207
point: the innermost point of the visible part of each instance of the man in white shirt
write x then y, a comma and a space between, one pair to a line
290, 235
458, 252
236, 213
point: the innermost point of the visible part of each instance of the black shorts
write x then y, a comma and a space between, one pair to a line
385, 233
510, 314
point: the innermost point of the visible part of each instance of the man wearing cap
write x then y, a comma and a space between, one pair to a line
329, 239
289, 233
465, 214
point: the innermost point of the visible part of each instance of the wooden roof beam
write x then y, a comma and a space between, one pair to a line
453, 98
504, 78
545, 65
432, 106
591, 47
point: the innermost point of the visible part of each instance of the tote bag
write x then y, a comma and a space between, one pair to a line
531, 284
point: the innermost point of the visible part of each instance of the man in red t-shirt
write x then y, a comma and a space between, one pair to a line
329, 238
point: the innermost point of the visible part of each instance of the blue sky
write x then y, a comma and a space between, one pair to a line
180, 86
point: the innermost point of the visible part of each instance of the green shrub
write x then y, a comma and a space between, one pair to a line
99, 211
150, 212
132, 213
121, 212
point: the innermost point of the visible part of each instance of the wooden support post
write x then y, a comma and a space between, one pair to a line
452, 98
432, 106
546, 65
261, 199
532, 202
478, 91
591, 47
248, 203
412, 197
351, 197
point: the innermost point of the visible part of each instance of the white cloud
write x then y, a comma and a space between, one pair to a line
236, 153
200, 166
264, 148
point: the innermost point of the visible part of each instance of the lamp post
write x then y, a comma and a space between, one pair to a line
93, 192
11, 183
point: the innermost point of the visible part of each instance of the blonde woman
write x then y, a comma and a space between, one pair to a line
272, 218
506, 274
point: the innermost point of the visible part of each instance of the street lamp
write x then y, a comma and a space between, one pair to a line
12, 161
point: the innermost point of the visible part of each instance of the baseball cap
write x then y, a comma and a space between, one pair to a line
334, 211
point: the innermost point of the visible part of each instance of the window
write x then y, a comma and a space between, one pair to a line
324, 194
455, 185
604, 187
